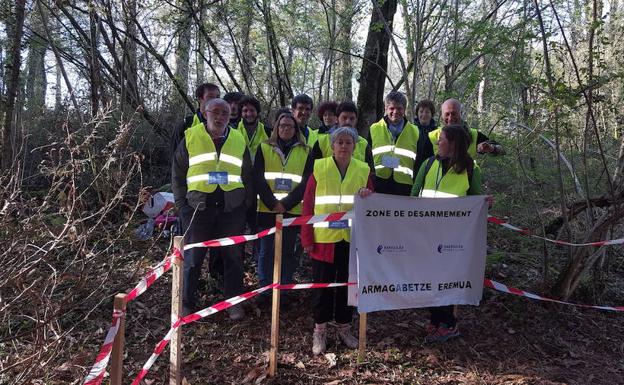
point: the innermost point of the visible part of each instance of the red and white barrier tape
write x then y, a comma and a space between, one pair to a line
311, 219
96, 374
512, 290
156, 272
301, 286
228, 241
504, 223
192, 318
296, 221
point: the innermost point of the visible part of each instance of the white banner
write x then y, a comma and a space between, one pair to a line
417, 252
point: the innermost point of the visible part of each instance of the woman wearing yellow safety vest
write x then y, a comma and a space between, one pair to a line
281, 170
451, 173
331, 188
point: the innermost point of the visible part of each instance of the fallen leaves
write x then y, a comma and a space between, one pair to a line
331, 359
255, 375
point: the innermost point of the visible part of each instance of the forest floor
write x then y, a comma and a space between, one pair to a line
506, 340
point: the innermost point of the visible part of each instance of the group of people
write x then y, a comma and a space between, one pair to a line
230, 170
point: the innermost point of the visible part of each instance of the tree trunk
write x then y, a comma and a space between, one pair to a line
94, 63
15, 29
36, 75
201, 46
343, 89
374, 68
182, 54
129, 94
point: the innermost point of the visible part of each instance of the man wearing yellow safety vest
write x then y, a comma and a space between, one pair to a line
347, 117
394, 141
203, 93
250, 126
452, 114
254, 132
212, 187
302, 106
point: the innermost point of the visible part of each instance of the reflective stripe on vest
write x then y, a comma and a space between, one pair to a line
472, 148
449, 185
404, 148
203, 159
258, 137
334, 194
359, 153
275, 168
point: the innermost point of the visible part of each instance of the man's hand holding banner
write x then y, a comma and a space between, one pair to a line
417, 252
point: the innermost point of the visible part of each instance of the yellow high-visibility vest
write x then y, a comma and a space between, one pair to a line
449, 185
334, 194
275, 168
203, 160
258, 137
472, 148
312, 137
359, 152
404, 149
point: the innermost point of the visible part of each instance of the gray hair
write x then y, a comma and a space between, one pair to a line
344, 131
396, 97
213, 102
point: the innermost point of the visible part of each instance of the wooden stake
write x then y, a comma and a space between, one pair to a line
277, 275
362, 339
116, 372
175, 356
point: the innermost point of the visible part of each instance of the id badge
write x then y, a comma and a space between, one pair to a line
283, 184
390, 161
218, 177
342, 224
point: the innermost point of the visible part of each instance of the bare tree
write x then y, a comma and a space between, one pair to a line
15, 28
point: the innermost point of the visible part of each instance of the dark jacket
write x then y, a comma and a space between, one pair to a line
225, 200
178, 132
424, 149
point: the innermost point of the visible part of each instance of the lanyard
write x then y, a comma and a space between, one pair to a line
438, 176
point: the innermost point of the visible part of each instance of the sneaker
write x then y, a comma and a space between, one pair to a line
344, 334
442, 334
236, 312
319, 339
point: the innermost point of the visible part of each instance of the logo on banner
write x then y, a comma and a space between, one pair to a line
450, 248
382, 249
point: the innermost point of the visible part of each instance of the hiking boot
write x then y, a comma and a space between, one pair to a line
442, 334
319, 339
236, 312
344, 334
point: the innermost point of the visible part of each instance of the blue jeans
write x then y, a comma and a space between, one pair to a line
267, 252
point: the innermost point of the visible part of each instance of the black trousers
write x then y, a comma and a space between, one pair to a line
443, 314
210, 224
331, 304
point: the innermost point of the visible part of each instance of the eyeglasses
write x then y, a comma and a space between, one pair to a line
219, 113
